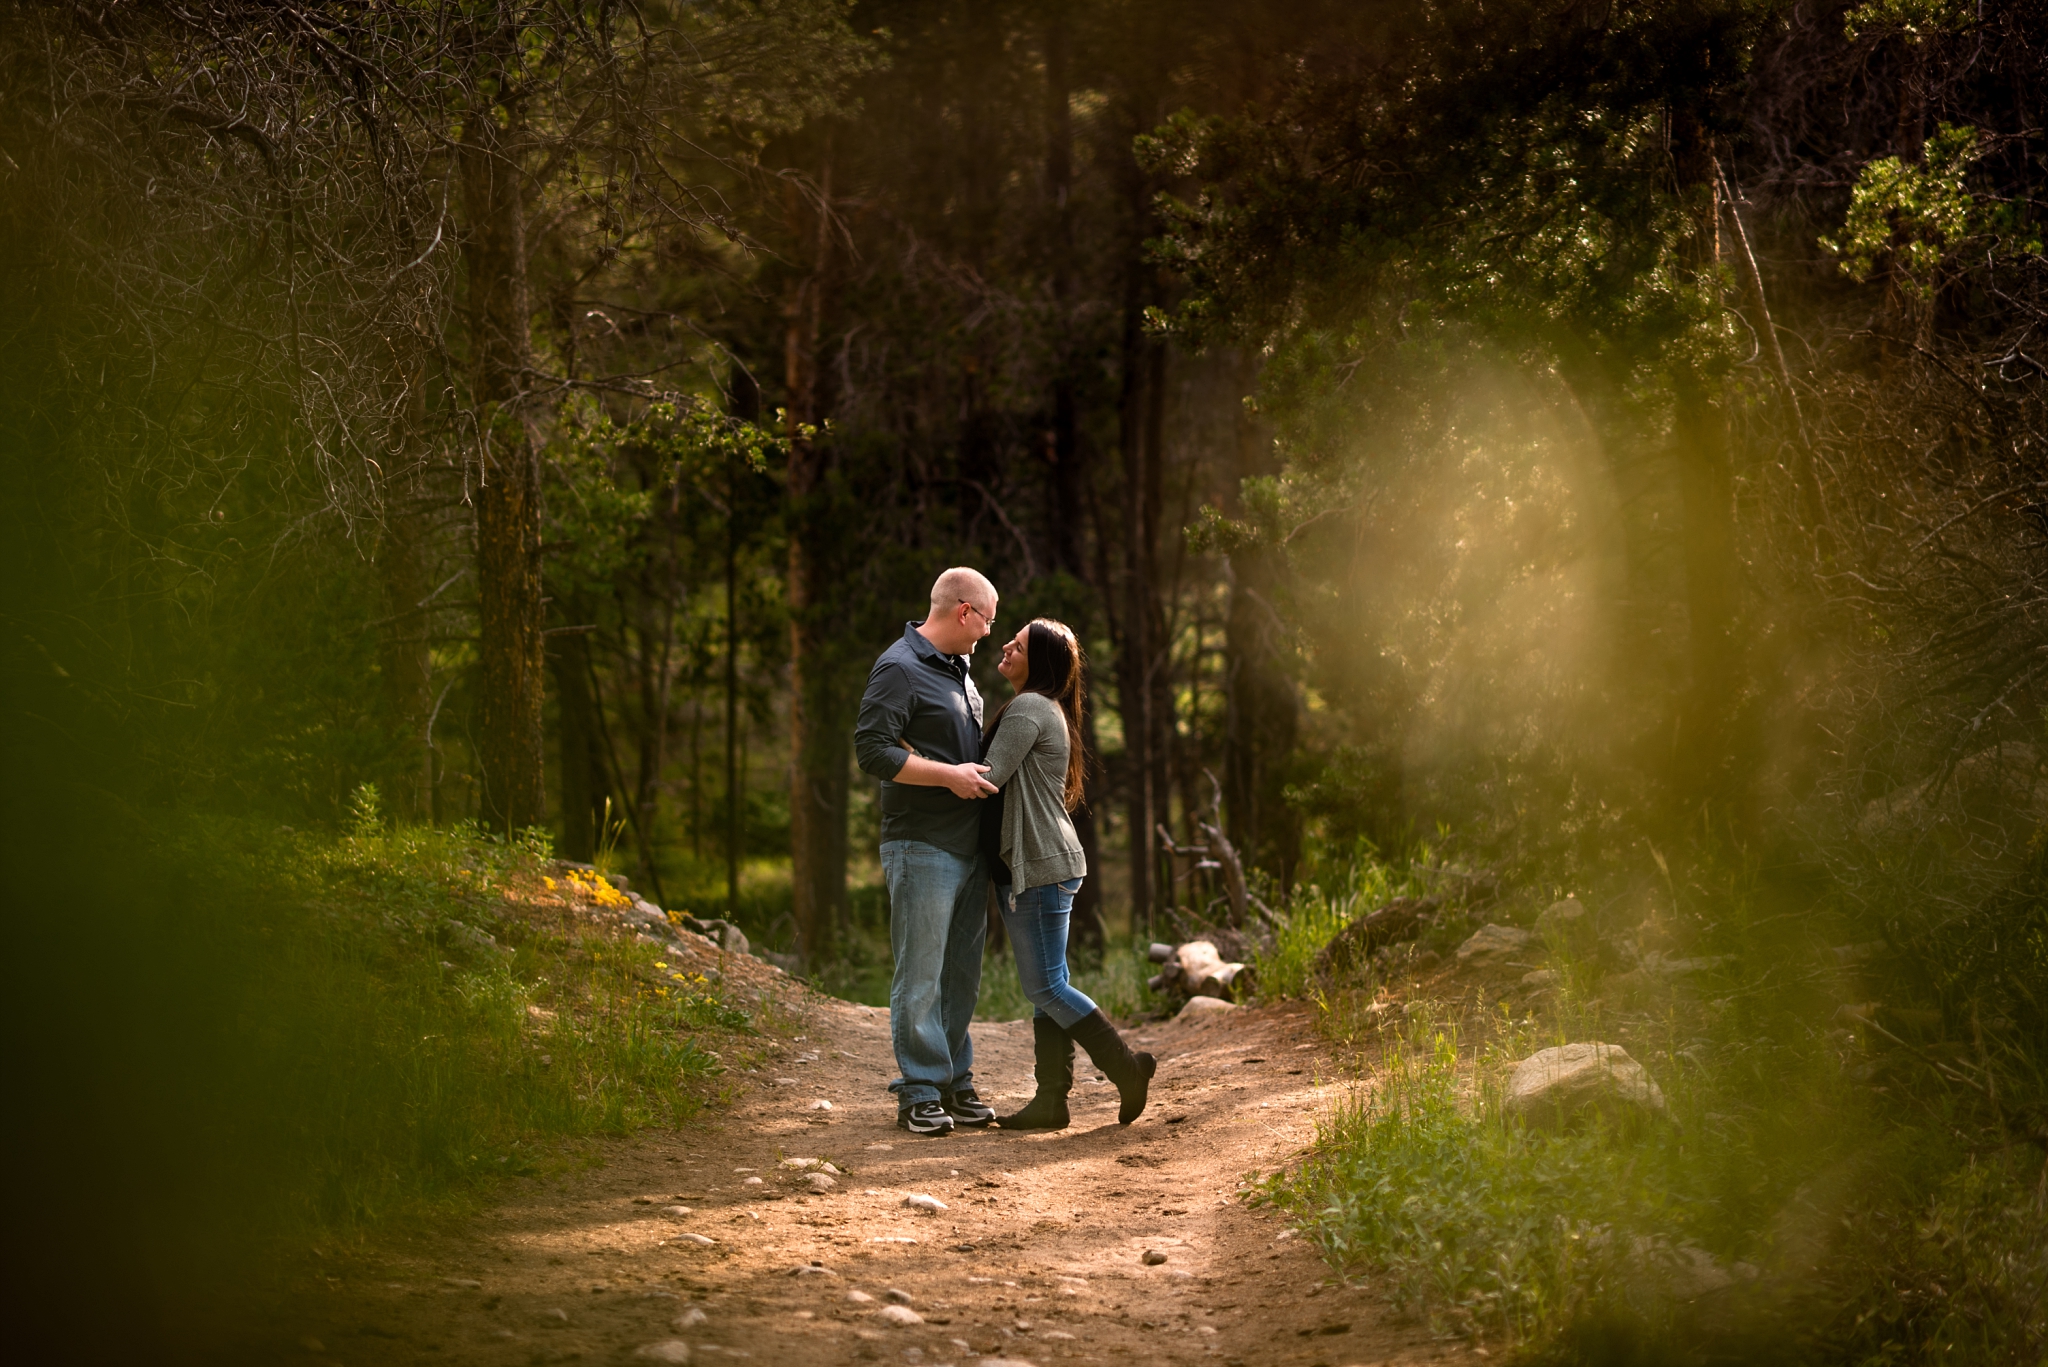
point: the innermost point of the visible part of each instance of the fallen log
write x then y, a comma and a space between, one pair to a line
1196, 969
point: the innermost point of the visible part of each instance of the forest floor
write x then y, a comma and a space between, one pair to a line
1039, 1256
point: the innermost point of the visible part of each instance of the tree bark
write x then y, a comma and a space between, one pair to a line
582, 774
508, 560
820, 731
1261, 711
1068, 473
1135, 645
406, 567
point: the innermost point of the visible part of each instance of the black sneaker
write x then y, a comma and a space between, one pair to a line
968, 1109
925, 1117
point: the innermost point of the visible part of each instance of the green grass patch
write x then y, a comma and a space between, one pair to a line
1857, 1198
424, 1015
1332, 890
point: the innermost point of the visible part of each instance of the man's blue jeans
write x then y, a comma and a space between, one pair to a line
1037, 921
938, 925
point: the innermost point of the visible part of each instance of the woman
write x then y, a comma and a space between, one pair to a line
1032, 757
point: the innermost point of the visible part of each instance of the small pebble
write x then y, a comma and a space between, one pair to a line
555, 1316
900, 1297
1153, 1257
920, 1201
698, 1239
811, 1270
667, 1350
821, 1105
463, 1283
859, 1298
901, 1315
1056, 1334
677, 1210
819, 1182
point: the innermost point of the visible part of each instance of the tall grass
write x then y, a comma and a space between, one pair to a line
1487, 1228
398, 1065
1334, 887
1861, 1204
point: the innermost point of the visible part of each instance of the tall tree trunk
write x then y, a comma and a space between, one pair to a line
582, 773
820, 731
1261, 712
405, 660
1068, 475
1135, 646
508, 560
406, 565
1157, 661
735, 800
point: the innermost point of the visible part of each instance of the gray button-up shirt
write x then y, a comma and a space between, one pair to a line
919, 695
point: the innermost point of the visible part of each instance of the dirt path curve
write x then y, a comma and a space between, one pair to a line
1040, 1254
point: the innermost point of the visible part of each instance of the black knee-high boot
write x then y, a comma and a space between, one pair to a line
1132, 1073
1052, 1053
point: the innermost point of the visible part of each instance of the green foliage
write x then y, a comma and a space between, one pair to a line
1915, 215
1915, 19
612, 474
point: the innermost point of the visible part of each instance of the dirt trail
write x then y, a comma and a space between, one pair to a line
1039, 1255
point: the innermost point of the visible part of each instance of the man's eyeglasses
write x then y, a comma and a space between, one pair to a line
978, 612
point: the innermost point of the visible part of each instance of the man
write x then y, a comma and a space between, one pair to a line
920, 733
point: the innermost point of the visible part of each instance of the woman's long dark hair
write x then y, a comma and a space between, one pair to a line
1054, 667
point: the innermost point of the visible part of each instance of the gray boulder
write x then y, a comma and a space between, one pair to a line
1493, 947
724, 934
1560, 1085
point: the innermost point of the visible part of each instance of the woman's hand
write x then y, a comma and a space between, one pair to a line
961, 780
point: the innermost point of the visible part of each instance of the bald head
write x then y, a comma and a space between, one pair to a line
963, 609
962, 585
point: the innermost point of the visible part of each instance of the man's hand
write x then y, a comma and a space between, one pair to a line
965, 780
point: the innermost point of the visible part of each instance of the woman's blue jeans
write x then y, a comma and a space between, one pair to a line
1036, 919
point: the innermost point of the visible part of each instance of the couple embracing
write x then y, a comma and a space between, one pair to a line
944, 770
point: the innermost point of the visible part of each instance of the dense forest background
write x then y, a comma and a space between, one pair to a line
1579, 447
